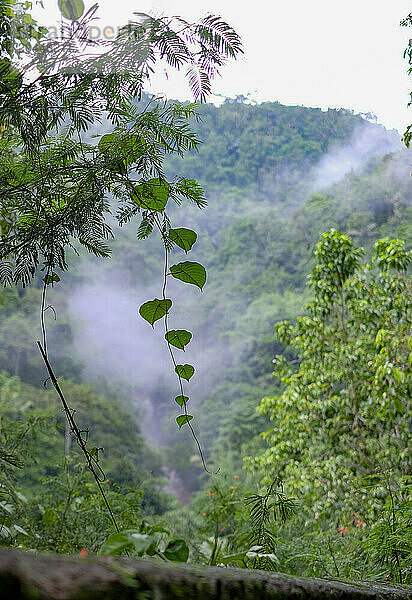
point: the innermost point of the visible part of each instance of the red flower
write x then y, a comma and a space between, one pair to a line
204, 514
235, 476
83, 552
360, 523
343, 530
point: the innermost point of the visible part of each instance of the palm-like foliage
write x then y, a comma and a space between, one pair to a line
274, 505
61, 192
55, 185
389, 542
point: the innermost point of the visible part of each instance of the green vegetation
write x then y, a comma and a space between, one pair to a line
325, 489
341, 430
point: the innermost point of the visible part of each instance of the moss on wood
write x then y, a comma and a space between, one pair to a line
32, 576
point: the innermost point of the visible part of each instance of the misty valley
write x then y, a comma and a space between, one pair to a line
205, 320
268, 204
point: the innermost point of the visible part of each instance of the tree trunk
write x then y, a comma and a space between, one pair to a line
32, 576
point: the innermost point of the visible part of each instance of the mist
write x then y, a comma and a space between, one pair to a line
118, 346
368, 143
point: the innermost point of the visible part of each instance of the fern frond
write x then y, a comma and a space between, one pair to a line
273, 504
199, 82
217, 33
146, 226
11, 459
6, 272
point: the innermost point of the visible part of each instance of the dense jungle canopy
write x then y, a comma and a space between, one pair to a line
307, 306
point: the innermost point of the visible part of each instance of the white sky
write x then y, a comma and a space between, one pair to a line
323, 53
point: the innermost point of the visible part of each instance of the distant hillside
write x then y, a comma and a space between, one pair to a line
276, 177
242, 144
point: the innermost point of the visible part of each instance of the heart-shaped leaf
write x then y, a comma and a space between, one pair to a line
185, 238
185, 371
152, 194
142, 543
183, 419
177, 551
181, 400
154, 310
190, 272
178, 338
71, 9
127, 148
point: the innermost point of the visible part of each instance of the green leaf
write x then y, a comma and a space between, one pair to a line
6, 507
178, 338
142, 543
158, 529
152, 194
183, 419
21, 497
20, 529
10, 77
190, 272
107, 141
181, 400
185, 238
71, 9
240, 559
116, 543
185, 371
127, 149
177, 551
154, 310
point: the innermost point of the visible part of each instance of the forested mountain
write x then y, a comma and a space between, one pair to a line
276, 178
245, 144
256, 239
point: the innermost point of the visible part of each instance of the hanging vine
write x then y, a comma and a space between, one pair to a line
54, 187
188, 272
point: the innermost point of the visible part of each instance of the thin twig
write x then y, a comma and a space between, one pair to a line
74, 428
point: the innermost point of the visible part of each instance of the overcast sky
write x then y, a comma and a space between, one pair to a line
321, 53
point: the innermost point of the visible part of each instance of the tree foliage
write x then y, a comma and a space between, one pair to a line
54, 184
343, 414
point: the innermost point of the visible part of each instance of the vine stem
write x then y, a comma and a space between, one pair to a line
43, 309
172, 356
74, 428
92, 463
